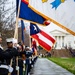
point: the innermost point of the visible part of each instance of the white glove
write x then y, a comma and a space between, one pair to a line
24, 61
30, 57
10, 69
17, 68
30, 62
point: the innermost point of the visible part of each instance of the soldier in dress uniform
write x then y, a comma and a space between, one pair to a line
5, 55
20, 61
12, 46
28, 54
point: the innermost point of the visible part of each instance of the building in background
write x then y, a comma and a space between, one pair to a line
63, 39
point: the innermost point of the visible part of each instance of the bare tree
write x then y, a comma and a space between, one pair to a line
7, 13
7, 18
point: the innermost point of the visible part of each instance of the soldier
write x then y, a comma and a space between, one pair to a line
5, 55
20, 61
1, 42
28, 54
12, 46
9, 49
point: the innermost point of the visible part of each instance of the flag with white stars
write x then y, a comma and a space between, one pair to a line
44, 39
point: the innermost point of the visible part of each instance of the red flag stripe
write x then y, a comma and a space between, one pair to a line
48, 36
25, 1
48, 41
43, 43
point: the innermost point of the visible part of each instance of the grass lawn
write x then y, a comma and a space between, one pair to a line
67, 63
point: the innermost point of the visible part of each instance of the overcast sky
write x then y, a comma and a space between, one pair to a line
52, 27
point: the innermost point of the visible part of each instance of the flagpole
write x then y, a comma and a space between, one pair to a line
16, 31
16, 26
29, 38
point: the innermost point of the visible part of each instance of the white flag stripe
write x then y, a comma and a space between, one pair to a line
45, 39
48, 33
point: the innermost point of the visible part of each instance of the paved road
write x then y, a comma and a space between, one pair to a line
45, 67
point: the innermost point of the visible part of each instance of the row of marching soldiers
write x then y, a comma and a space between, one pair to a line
16, 58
